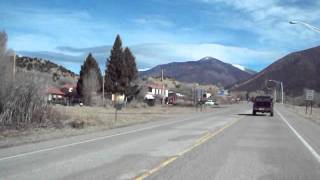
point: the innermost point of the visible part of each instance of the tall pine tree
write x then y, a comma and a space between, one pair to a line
121, 70
131, 74
130, 63
90, 81
115, 71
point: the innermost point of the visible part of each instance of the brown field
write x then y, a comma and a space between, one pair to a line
82, 120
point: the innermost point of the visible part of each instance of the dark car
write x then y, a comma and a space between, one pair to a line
263, 104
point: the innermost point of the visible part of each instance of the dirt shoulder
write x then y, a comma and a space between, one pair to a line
83, 120
301, 110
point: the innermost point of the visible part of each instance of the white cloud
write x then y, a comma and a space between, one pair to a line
154, 54
153, 21
150, 55
56, 27
29, 42
270, 20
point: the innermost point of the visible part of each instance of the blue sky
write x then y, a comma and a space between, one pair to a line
251, 33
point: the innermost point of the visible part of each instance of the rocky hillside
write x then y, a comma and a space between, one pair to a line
207, 70
44, 66
297, 71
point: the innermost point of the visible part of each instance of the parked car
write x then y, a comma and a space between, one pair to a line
149, 99
263, 104
210, 103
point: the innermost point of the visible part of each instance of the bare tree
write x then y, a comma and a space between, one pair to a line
91, 85
22, 100
4, 69
90, 81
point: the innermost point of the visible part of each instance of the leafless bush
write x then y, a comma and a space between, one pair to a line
301, 100
77, 124
183, 103
22, 96
5, 69
136, 104
24, 105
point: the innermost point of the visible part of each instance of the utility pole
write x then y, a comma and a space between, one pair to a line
14, 66
103, 79
282, 96
162, 92
275, 94
281, 84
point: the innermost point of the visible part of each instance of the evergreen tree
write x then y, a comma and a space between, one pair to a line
121, 71
116, 81
131, 74
90, 81
130, 63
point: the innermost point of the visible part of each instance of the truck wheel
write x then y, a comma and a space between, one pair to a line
271, 114
254, 113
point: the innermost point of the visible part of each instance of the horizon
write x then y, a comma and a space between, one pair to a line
250, 33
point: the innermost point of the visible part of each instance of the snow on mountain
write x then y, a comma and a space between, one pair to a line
239, 67
143, 69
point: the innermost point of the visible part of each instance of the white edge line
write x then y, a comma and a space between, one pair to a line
90, 140
305, 143
87, 141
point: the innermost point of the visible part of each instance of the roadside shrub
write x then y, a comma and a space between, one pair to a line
136, 104
22, 95
25, 106
77, 124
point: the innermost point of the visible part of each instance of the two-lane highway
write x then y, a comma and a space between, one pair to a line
228, 143
258, 147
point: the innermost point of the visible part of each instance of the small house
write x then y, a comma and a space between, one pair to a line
55, 95
66, 95
157, 89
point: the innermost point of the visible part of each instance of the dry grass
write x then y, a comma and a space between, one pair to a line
315, 116
81, 120
105, 117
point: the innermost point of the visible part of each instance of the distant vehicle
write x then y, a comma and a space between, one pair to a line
210, 103
149, 99
263, 104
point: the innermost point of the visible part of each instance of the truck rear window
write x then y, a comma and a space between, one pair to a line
263, 104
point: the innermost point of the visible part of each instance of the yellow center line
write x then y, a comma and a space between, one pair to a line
207, 136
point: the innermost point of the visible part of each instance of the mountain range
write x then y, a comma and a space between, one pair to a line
297, 71
207, 70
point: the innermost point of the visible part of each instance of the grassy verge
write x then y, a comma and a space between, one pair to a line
83, 120
301, 110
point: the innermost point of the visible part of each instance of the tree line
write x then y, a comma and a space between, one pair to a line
120, 75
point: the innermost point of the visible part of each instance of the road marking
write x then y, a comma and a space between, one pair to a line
304, 142
92, 140
207, 136
160, 166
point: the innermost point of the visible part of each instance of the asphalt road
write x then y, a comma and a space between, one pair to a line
227, 143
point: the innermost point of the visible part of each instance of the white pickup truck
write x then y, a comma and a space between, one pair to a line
210, 103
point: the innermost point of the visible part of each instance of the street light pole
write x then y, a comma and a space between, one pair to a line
103, 79
275, 95
281, 92
281, 84
314, 28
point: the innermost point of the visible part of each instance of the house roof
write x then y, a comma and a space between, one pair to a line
69, 85
55, 91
